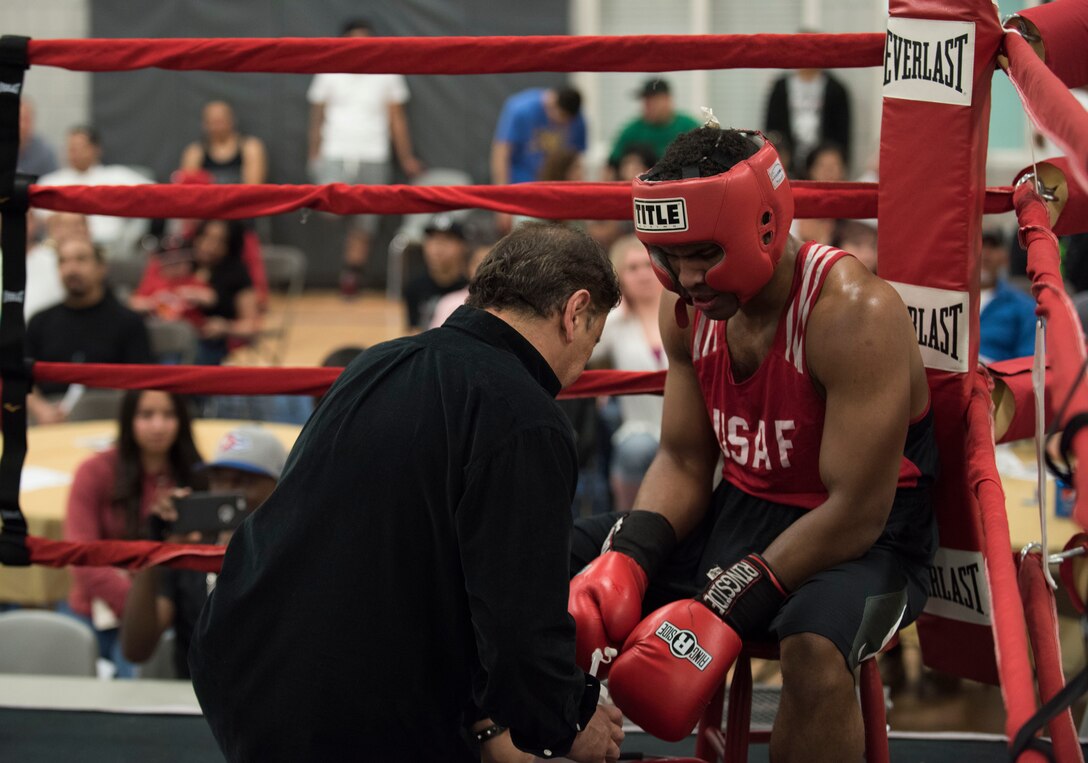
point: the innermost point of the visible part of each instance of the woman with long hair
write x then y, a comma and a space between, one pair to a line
111, 498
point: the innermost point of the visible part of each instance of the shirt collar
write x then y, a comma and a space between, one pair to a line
498, 333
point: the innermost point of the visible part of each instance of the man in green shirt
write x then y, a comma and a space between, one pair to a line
659, 124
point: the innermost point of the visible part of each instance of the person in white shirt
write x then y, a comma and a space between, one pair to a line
353, 117
631, 341
116, 235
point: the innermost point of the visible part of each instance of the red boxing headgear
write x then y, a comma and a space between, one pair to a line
746, 211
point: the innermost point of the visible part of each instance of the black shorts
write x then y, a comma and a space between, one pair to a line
858, 604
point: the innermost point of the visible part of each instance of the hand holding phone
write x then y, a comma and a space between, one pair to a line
208, 513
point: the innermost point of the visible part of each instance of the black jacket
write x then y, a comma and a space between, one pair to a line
835, 121
411, 566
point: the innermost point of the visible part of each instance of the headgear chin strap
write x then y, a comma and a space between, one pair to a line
746, 211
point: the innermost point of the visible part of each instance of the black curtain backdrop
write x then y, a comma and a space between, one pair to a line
147, 117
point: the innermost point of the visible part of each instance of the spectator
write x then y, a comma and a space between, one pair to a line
445, 253
117, 235
89, 326
806, 108
248, 461
228, 300
43, 286
36, 157
1006, 315
111, 499
635, 160
859, 238
447, 304
533, 123
631, 341
824, 164
223, 152
352, 118
170, 289
656, 128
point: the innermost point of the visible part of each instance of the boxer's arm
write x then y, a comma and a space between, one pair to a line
859, 344
679, 481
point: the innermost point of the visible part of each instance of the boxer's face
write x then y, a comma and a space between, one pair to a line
691, 263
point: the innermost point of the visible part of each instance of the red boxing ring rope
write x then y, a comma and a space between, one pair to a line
228, 380
557, 201
1009, 625
1048, 102
467, 55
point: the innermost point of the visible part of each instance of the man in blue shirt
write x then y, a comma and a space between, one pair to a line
533, 123
1006, 314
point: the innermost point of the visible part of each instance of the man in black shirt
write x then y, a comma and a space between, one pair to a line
89, 326
407, 580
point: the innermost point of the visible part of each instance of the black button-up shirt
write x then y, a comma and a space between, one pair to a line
410, 567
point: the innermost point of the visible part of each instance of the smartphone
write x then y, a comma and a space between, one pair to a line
209, 513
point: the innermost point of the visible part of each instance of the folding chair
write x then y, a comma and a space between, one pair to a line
39, 642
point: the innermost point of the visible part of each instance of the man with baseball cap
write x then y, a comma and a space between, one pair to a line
248, 461
801, 370
659, 124
445, 254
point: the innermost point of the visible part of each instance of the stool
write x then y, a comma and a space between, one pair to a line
712, 745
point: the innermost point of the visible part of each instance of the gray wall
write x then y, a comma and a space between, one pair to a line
146, 117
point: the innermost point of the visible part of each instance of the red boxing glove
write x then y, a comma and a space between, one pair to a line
606, 597
676, 658
670, 667
606, 602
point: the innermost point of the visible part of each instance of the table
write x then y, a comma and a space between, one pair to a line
1016, 462
53, 454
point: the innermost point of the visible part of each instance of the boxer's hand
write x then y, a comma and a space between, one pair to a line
600, 740
606, 597
671, 666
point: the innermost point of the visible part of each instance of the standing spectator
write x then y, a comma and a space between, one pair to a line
116, 235
1006, 320
36, 157
445, 253
223, 152
248, 461
111, 499
352, 118
89, 326
658, 126
631, 341
532, 124
806, 108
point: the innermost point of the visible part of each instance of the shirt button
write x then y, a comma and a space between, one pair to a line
547, 753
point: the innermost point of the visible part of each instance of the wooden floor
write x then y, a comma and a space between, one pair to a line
322, 321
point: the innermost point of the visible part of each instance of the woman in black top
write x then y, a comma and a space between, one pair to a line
225, 153
230, 304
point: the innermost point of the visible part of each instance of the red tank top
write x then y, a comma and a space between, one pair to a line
769, 426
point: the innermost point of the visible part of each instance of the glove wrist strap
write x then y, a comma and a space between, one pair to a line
746, 596
645, 536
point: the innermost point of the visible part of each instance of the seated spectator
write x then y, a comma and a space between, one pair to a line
43, 286
631, 341
111, 498
36, 157
445, 253
170, 289
228, 300
248, 461
658, 125
635, 161
859, 238
117, 235
447, 304
825, 164
1006, 314
223, 152
89, 326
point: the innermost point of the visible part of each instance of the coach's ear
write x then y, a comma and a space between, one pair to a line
575, 313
